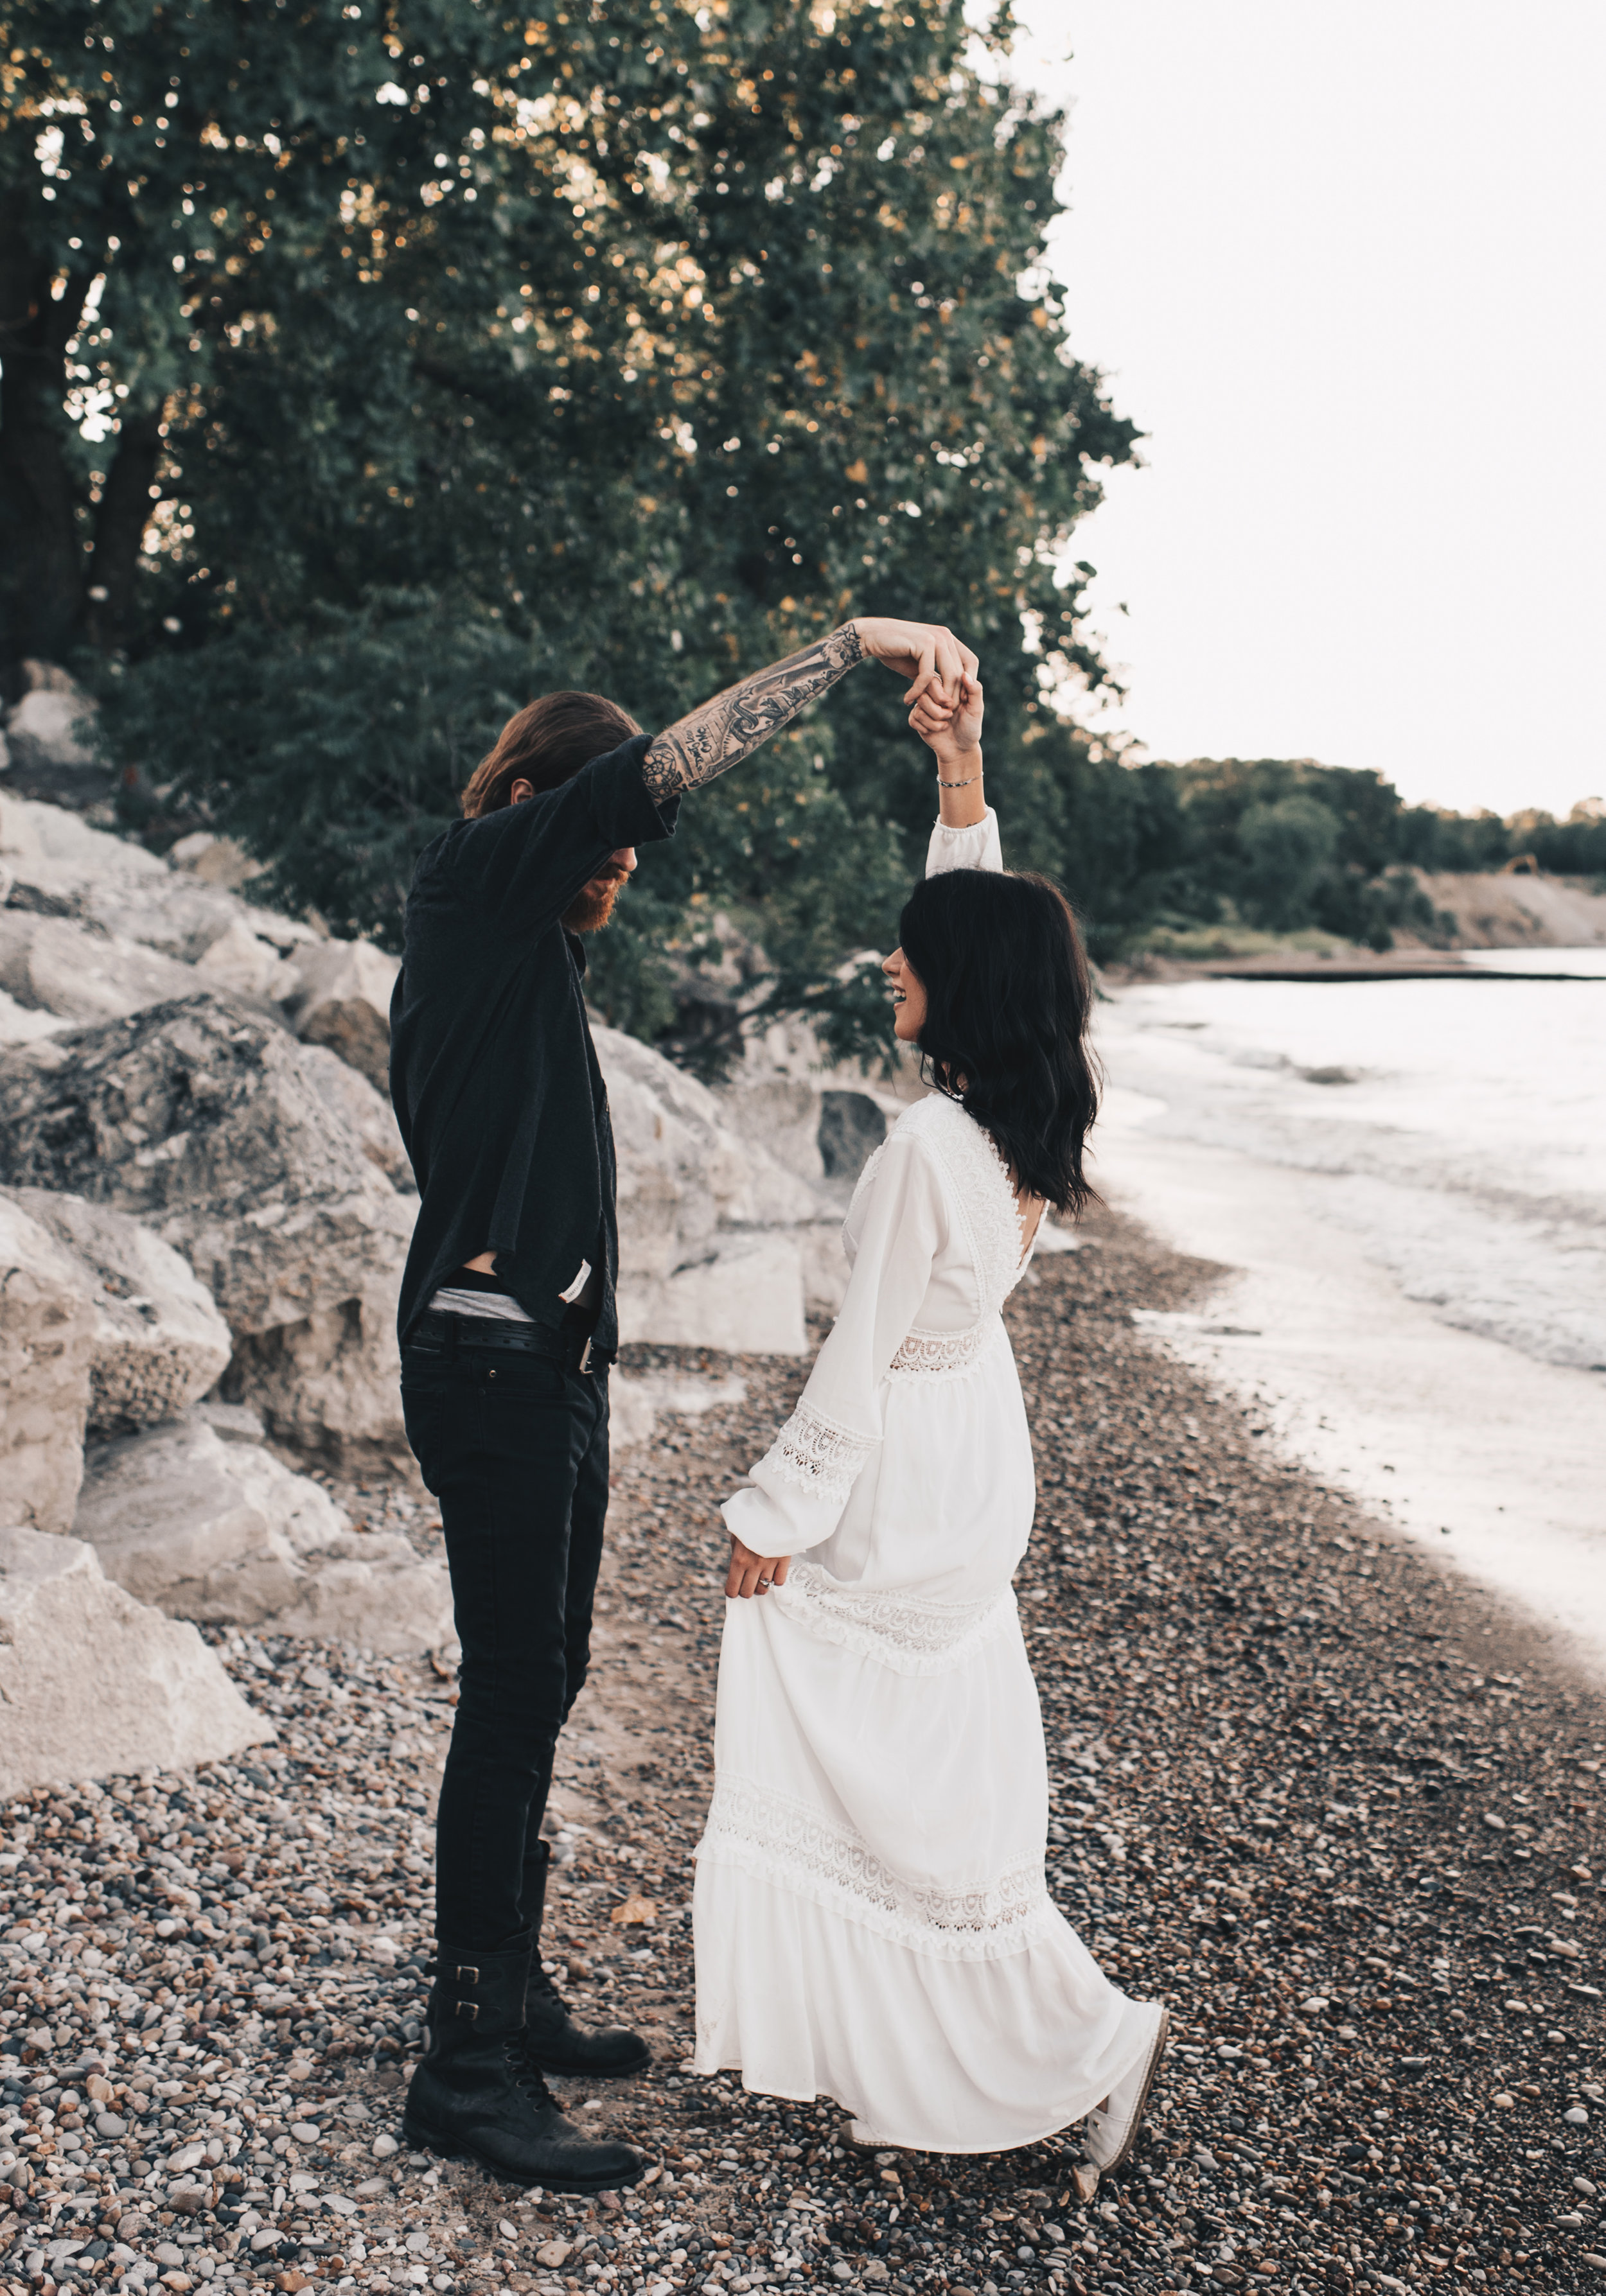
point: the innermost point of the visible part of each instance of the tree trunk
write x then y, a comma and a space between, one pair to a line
41, 587
120, 525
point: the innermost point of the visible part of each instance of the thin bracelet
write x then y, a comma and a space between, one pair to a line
964, 784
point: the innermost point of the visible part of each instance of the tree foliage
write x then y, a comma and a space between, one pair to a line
450, 353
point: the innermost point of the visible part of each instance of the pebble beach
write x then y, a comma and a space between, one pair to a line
1333, 1803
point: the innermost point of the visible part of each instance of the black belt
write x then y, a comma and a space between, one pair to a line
438, 1332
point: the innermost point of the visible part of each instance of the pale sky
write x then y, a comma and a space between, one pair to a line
1346, 266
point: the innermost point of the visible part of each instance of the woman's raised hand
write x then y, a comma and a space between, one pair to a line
754, 1574
951, 732
928, 655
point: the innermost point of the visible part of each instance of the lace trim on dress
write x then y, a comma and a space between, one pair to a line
812, 1455
790, 1845
904, 1632
986, 1201
944, 1355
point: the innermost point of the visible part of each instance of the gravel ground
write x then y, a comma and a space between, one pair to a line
1334, 1806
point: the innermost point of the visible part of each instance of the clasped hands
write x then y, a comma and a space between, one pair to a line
937, 665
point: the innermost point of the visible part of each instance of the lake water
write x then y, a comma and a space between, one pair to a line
1407, 1180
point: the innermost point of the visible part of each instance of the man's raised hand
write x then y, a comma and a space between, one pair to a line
927, 654
699, 747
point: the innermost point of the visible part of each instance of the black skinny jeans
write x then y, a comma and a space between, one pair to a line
516, 1448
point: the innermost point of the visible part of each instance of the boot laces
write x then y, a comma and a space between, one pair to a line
541, 1983
527, 2075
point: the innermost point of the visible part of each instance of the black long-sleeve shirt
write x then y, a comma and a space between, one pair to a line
493, 1074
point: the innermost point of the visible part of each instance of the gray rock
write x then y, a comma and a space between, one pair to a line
369, 1113
47, 1327
708, 1220
214, 860
747, 1297
159, 1341
199, 1117
50, 741
342, 999
58, 718
780, 1113
96, 1685
329, 1385
223, 1532
49, 964
240, 960
57, 864
851, 1127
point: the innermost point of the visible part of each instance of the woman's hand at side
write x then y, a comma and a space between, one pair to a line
754, 1574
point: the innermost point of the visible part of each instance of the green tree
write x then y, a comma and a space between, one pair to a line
391, 361
1288, 849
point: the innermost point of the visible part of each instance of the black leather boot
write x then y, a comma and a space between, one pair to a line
477, 2096
552, 2039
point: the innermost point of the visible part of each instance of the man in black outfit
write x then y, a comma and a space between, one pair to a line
508, 1325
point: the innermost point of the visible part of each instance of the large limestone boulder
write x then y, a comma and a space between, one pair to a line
329, 1385
778, 1113
50, 741
747, 1297
47, 1334
342, 999
198, 1117
709, 1221
93, 1683
55, 863
159, 1343
217, 1529
240, 960
369, 1113
49, 964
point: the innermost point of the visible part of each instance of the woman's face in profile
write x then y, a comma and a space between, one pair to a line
909, 997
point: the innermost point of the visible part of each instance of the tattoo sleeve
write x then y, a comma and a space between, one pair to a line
724, 731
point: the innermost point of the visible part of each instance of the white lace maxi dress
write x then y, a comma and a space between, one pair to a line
872, 1921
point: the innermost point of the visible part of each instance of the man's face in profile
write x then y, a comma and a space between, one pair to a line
593, 904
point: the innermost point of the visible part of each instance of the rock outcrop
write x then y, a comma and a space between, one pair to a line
158, 1341
276, 1168
199, 1117
341, 996
93, 1683
47, 1327
709, 1222
48, 964
201, 1520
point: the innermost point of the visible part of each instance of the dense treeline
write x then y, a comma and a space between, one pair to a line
372, 365
386, 361
1279, 845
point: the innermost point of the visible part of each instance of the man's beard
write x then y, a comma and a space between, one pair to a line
593, 904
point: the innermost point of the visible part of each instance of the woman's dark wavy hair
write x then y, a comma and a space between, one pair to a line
1008, 996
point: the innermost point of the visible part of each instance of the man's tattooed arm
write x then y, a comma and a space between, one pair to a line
724, 731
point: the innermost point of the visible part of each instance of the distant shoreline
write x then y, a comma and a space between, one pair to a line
1414, 964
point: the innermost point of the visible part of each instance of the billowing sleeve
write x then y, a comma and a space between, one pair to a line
804, 1479
977, 847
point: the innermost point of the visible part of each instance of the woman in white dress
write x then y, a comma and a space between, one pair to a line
871, 1916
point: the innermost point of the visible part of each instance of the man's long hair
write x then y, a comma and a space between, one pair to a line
1009, 997
546, 745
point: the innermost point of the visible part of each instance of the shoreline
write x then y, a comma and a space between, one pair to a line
1317, 1791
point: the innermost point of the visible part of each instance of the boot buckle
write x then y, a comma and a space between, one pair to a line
469, 2009
467, 1976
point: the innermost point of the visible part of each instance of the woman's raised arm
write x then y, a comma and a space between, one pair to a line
724, 731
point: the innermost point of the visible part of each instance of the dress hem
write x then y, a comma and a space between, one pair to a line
703, 2071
